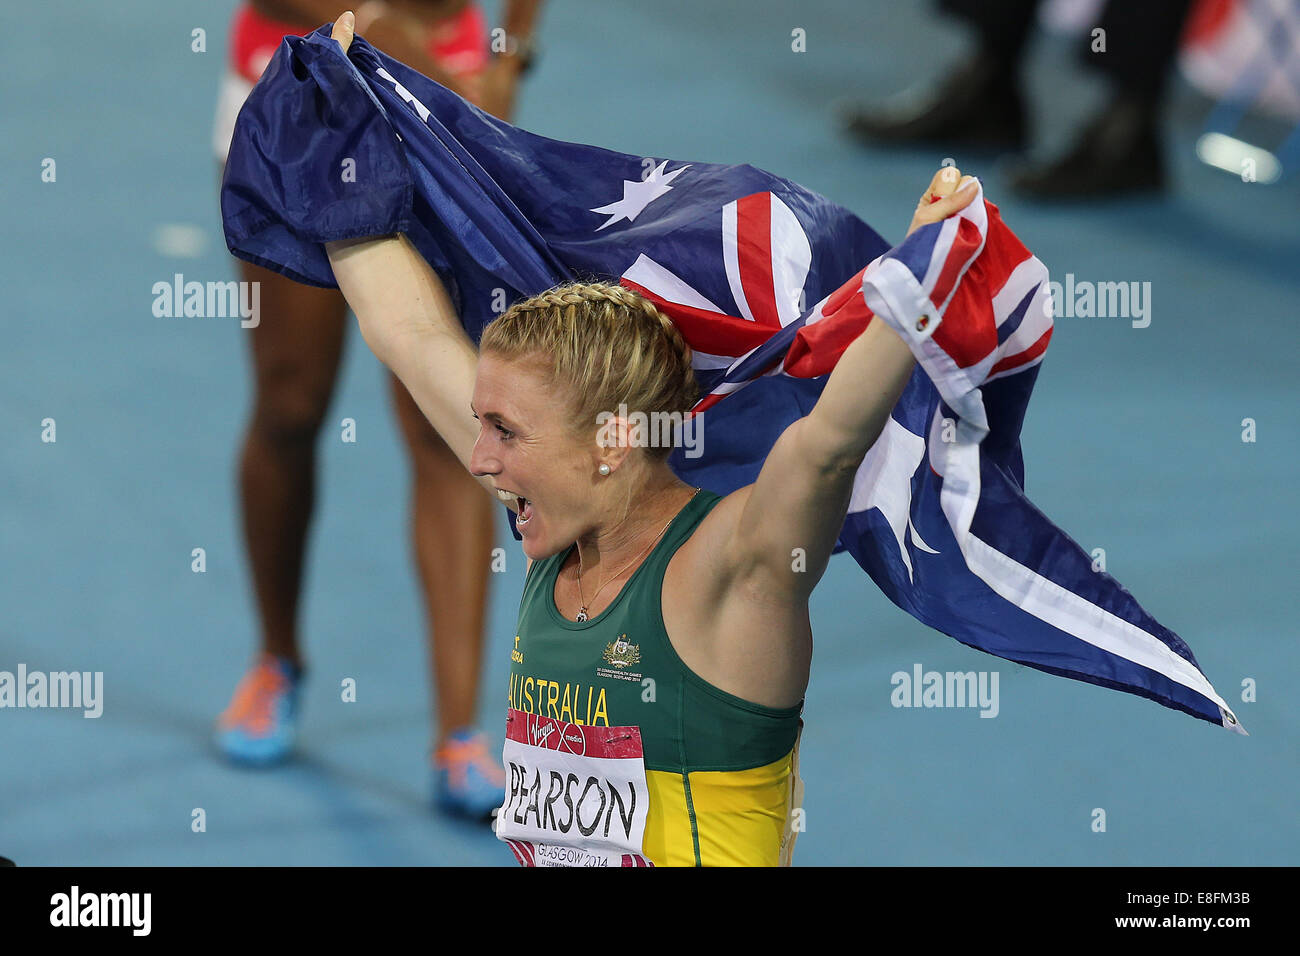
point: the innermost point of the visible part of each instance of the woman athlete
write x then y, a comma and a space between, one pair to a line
295, 355
663, 641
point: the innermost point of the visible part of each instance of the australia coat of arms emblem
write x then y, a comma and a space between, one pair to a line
622, 654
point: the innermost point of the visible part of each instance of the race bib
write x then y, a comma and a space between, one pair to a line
576, 795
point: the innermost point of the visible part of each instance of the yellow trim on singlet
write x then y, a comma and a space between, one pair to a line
742, 817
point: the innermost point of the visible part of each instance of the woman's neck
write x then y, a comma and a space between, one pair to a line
606, 552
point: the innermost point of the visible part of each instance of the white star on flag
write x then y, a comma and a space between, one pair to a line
884, 481
638, 195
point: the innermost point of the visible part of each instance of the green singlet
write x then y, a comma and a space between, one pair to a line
720, 783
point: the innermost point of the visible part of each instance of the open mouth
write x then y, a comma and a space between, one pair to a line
523, 506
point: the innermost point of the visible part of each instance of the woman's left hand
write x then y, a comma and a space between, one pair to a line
345, 28
953, 191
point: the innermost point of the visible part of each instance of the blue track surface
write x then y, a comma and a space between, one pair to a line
1133, 444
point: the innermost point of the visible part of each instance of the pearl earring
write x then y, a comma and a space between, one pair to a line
604, 469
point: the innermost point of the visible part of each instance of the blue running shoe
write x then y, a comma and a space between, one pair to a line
257, 728
467, 780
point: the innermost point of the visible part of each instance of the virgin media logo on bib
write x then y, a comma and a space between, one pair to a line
576, 795
554, 735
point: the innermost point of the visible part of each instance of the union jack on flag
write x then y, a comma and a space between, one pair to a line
769, 283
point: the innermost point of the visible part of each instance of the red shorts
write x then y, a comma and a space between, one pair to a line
459, 44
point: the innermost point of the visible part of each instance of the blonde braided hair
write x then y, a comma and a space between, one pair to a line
602, 344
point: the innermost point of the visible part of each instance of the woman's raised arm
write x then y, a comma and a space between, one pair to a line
804, 488
408, 321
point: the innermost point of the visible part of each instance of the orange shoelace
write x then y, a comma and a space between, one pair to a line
254, 701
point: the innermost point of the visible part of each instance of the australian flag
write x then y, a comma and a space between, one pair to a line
769, 283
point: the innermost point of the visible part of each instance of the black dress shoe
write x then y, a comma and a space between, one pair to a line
1117, 154
977, 105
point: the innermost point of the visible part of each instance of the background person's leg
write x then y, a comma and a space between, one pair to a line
978, 103
1141, 44
453, 531
295, 354
1119, 150
1003, 26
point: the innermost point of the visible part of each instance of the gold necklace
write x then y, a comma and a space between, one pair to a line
582, 603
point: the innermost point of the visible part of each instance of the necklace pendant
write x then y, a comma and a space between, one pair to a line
582, 614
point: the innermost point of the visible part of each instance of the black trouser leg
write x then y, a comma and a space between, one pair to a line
1141, 42
1003, 26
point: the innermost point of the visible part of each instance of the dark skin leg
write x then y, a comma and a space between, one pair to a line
295, 353
453, 534
296, 364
